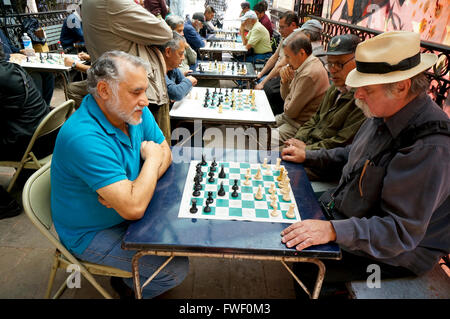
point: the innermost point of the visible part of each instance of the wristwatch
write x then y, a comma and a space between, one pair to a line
74, 65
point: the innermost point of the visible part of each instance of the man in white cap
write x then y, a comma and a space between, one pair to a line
257, 40
392, 205
313, 29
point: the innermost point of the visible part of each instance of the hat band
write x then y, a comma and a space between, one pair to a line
383, 67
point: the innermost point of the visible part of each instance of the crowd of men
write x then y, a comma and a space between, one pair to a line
357, 114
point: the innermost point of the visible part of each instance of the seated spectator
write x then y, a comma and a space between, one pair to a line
208, 27
304, 82
178, 84
313, 29
189, 62
245, 6
257, 40
22, 108
77, 90
338, 118
157, 7
271, 83
260, 10
107, 161
72, 32
220, 7
391, 208
191, 29
44, 81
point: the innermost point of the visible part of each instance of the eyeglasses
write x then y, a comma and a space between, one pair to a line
336, 65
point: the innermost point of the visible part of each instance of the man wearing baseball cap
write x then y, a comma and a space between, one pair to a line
338, 118
257, 40
391, 207
313, 29
191, 31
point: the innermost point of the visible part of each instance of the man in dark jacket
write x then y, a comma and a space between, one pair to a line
22, 108
391, 208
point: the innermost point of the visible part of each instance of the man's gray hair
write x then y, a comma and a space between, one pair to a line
173, 21
419, 84
296, 41
109, 68
313, 35
173, 43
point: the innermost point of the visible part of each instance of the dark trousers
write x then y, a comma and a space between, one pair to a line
338, 272
272, 90
45, 82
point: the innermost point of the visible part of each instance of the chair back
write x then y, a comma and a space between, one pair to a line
37, 206
52, 121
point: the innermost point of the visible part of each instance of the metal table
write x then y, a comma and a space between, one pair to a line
161, 232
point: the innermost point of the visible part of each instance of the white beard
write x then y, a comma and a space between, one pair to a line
364, 107
114, 106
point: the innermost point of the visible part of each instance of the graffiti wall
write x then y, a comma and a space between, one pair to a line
430, 18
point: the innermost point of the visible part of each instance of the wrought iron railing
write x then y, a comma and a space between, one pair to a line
439, 77
11, 24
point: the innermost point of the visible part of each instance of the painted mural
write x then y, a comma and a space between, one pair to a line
430, 18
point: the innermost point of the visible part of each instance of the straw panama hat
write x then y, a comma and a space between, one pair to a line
387, 58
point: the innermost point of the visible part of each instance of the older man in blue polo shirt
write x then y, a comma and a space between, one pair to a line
107, 160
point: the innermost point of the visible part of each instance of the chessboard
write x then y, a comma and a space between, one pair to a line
238, 191
229, 100
225, 68
45, 60
224, 46
225, 36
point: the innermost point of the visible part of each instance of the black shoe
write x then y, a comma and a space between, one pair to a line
11, 210
122, 288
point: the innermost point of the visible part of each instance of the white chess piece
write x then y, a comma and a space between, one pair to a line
247, 180
265, 163
277, 166
290, 213
259, 194
258, 175
272, 188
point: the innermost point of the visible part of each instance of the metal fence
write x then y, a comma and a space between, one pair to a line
439, 76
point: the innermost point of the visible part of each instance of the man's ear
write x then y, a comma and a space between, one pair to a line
103, 90
167, 52
402, 88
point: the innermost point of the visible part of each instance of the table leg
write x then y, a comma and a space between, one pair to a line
319, 280
135, 269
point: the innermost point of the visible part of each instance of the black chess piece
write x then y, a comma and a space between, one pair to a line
211, 177
207, 209
222, 172
194, 208
196, 193
210, 199
197, 185
221, 191
234, 193
203, 162
235, 185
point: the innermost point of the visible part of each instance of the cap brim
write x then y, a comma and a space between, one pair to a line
358, 79
334, 53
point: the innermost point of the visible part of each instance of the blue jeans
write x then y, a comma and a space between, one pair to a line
254, 57
105, 249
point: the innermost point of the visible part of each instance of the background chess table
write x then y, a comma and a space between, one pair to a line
209, 71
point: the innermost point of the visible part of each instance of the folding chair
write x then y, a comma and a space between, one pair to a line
51, 122
36, 204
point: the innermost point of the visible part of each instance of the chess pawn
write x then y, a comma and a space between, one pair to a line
281, 176
272, 188
247, 181
273, 197
273, 204
220, 108
265, 163
286, 197
274, 212
290, 213
277, 166
258, 175
259, 194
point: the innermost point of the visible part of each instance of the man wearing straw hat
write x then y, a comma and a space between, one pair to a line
392, 205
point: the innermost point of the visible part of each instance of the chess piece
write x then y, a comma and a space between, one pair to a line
220, 108
272, 188
265, 163
203, 162
286, 197
235, 185
247, 181
258, 175
259, 194
273, 197
274, 213
194, 208
290, 213
207, 209
211, 177
273, 204
222, 172
221, 191
196, 193
210, 199
281, 176
234, 193
277, 166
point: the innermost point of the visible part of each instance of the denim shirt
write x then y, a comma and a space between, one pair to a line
409, 222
